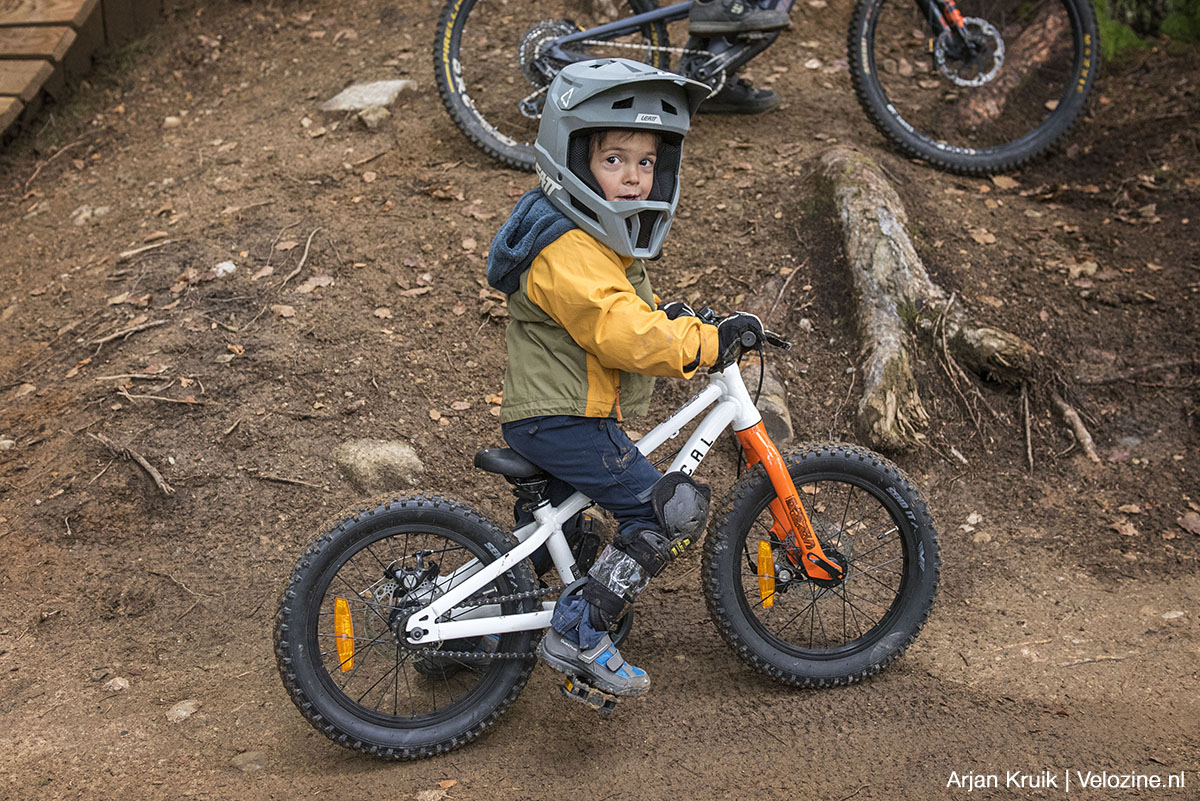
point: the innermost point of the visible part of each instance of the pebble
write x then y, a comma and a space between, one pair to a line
183, 710
362, 96
116, 684
7, 444
1178, 613
373, 117
172, 122
250, 761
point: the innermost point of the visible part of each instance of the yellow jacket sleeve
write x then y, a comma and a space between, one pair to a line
582, 285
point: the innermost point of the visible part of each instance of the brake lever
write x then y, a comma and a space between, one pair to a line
774, 339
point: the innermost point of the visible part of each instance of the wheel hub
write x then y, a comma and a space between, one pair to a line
976, 62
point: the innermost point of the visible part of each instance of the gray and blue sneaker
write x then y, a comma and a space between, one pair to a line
601, 666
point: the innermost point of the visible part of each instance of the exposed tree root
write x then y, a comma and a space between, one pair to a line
896, 299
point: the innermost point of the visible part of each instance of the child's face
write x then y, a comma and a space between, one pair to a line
624, 164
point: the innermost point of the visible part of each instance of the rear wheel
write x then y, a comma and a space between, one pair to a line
336, 641
870, 518
493, 61
988, 104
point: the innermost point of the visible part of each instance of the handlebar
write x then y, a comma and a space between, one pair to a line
748, 341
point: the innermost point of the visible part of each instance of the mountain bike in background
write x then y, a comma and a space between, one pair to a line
970, 86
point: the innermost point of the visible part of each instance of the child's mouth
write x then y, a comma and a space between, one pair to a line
630, 197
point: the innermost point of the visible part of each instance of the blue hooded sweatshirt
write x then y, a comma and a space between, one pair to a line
533, 224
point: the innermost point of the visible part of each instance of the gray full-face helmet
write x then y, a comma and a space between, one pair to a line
615, 93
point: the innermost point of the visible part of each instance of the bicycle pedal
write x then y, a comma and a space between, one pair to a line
602, 702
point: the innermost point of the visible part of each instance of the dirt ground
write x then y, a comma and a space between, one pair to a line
1065, 635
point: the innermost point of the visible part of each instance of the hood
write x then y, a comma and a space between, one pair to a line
533, 224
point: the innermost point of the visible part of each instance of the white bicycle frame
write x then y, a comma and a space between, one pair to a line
734, 406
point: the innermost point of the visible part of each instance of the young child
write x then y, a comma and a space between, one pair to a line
585, 337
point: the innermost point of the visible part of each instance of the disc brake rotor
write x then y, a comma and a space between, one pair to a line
976, 67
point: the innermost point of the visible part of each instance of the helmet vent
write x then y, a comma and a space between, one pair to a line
626, 103
668, 108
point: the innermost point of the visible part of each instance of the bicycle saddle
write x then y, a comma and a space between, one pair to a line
507, 463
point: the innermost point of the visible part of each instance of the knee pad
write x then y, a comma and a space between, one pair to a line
681, 506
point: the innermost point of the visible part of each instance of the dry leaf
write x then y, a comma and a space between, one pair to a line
983, 236
413, 261
460, 406
446, 784
417, 290
434, 414
283, 311
1130, 509
236, 350
468, 243
383, 312
1190, 522
495, 398
459, 309
262, 273
1124, 527
1004, 182
286, 245
314, 282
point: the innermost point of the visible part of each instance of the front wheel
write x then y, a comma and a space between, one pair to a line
986, 103
338, 635
868, 515
494, 60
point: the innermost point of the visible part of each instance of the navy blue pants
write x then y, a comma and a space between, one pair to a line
594, 456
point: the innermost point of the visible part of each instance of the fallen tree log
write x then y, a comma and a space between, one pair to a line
897, 299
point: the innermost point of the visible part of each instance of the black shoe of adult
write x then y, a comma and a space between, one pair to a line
727, 17
739, 97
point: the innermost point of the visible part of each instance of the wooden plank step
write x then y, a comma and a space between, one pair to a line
23, 78
44, 41
10, 107
46, 12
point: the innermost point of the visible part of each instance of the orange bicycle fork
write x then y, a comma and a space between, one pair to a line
791, 526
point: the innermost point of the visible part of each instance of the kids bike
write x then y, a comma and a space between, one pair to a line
409, 627
970, 86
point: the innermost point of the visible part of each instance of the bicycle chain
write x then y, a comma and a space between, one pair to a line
484, 656
683, 51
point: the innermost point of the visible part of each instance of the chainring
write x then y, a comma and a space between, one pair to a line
539, 70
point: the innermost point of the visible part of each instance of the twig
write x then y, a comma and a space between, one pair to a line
1028, 433
1137, 371
861, 787
179, 583
278, 236
231, 329
57, 153
129, 254
129, 453
369, 159
102, 472
124, 332
123, 376
1076, 423
303, 258
282, 480
190, 608
783, 289
229, 430
162, 399
1097, 659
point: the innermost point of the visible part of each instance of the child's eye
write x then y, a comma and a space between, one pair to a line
647, 162
613, 160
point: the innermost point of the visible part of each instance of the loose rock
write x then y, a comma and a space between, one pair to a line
250, 761
183, 710
374, 465
362, 96
374, 116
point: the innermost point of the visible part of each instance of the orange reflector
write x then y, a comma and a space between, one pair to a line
343, 627
766, 574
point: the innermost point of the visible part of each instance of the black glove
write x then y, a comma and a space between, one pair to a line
676, 308
730, 332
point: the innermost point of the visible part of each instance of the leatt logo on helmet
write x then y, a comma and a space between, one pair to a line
650, 118
548, 184
566, 97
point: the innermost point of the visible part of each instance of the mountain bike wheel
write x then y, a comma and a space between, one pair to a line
492, 66
818, 634
992, 108
343, 665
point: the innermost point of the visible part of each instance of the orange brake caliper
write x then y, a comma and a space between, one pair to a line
792, 525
